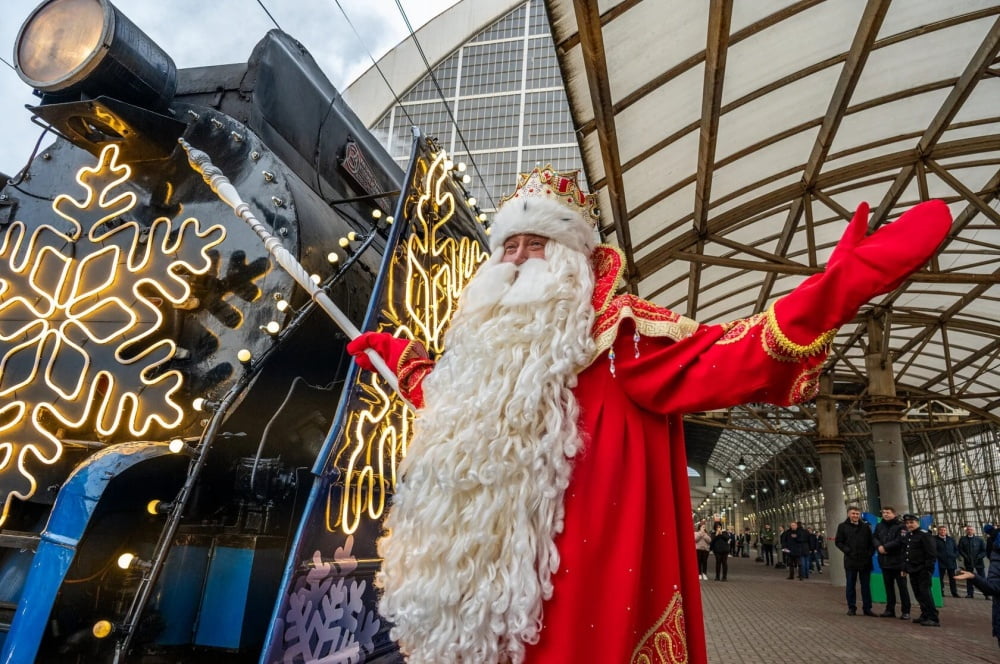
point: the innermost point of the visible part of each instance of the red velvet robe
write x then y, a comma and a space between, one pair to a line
627, 588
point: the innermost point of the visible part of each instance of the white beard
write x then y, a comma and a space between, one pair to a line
468, 551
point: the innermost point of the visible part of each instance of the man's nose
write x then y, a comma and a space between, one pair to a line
520, 255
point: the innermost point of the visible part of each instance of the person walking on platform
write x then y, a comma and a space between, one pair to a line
972, 551
990, 586
767, 545
947, 557
888, 539
854, 538
919, 555
720, 547
702, 544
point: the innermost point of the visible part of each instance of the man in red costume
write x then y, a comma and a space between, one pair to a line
543, 511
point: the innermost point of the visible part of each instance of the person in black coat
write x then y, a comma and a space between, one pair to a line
990, 585
919, 555
972, 551
720, 546
889, 545
795, 543
947, 555
854, 538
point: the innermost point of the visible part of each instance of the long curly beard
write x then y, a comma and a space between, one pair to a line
468, 551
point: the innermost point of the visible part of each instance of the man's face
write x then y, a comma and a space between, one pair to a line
942, 531
854, 516
911, 524
519, 248
767, 527
888, 515
970, 531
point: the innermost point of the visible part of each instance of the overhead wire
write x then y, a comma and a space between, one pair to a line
261, 3
444, 100
371, 57
8, 64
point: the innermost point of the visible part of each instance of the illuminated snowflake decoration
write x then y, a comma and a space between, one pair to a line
81, 341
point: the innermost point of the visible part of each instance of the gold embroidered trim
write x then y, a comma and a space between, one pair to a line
666, 641
650, 320
608, 263
783, 349
806, 385
737, 329
413, 351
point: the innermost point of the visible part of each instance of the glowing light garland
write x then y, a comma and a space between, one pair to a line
433, 272
80, 335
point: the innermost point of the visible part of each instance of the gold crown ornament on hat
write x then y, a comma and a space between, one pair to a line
560, 186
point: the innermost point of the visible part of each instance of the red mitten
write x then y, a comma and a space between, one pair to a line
860, 268
389, 348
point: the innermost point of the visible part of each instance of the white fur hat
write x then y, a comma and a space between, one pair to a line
545, 217
549, 203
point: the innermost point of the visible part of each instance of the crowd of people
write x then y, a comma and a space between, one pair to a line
906, 555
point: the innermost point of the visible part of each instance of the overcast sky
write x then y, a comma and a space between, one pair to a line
212, 32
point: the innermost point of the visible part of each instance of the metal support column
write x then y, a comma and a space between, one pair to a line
885, 410
831, 449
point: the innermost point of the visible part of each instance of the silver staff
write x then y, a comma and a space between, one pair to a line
224, 189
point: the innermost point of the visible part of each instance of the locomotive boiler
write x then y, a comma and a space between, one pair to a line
191, 467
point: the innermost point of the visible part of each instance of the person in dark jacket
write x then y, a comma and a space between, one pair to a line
972, 551
767, 545
947, 557
720, 547
889, 545
795, 543
919, 556
854, 538
990, 585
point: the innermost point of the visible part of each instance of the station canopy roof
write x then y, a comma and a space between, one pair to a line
730, 142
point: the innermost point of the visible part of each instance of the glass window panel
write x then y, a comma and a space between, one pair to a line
490, 122
511, 25
446, 74
547, 119
543, 67
491, 68
538, 19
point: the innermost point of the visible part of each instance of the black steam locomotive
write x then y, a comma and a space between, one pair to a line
191, 467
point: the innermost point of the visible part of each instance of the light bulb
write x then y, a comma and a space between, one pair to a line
102, 629
244, 355
466, 179
448, 164
282, 305
332, 257
125, 560
472, 201
389, 219
344, 242
198, 404
376, 213
273, 327
352, 236
152, 505
482, 217
177, 445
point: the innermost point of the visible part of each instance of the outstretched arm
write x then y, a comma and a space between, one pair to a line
776, 356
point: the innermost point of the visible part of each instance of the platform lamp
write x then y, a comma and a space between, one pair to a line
100, 78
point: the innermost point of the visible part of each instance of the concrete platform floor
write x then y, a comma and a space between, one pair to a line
759, 616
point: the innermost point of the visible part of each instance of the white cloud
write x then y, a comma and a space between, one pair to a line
202, 32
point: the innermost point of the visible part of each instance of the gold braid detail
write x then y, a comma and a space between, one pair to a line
666, 641
780, 347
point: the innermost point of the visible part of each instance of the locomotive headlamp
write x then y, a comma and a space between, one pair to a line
88, 47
